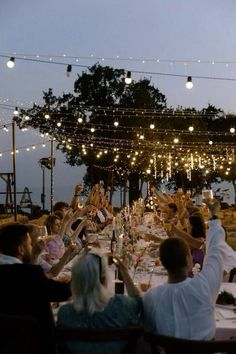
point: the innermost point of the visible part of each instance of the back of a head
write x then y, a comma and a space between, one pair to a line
173, 254
11, 237
173, 207
89, 275
198, 225
60, 206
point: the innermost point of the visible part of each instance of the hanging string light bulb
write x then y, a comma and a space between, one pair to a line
191, 128
116, 123
189, 83
16, 112
128, 78
11, 63
152, 126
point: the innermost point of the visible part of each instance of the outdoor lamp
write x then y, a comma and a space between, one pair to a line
189, 83
128, 78
11, 63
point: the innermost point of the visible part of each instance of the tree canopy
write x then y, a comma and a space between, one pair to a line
119, 130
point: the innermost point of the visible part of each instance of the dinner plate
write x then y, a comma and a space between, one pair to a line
226, 307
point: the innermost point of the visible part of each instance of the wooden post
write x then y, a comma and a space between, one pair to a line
14, 168
52, 176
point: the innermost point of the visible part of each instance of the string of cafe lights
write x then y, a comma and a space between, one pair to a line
121, 112
143, 60
128, 79
26, 148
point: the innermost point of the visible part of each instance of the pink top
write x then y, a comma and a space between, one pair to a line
55, 247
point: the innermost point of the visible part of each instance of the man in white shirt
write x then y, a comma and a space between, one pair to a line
184, 307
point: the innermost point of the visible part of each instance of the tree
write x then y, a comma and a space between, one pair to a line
126, 133
83, 124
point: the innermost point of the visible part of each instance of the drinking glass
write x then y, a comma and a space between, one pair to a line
42, 232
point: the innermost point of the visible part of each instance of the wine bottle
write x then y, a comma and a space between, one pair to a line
113, 241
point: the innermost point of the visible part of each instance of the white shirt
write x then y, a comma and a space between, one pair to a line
5, 259
186, 309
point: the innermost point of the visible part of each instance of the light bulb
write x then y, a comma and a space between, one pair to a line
59, 124
16, 112
47, 116
11, 63
152, 126
191, 129
232, 130
176, 140
92, 130
27, 117
128, 78
116, 123
189, 83
80, 120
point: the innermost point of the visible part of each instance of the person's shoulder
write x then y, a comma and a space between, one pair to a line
122, 300
64, 312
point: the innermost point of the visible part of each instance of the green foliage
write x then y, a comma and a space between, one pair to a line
111, 153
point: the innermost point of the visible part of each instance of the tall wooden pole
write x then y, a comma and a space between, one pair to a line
52, 175
14, 167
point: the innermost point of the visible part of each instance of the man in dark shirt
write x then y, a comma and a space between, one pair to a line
25, 290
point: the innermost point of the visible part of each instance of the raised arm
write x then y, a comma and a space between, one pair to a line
192, 242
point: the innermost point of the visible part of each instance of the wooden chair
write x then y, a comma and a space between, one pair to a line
173, 345
19, 335
98, 336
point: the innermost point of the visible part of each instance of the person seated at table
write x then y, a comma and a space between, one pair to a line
25, 290
197, 231
94, 306
38, 246
184, 307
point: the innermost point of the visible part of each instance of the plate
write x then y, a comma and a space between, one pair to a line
226, 307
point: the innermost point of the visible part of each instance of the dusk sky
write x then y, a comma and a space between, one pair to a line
171, 30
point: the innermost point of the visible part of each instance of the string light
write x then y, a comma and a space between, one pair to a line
128, 78
152, 126
116, 123
11, 63
232, 130
47, 116
16, 112
189, 83
191, 128
80, 120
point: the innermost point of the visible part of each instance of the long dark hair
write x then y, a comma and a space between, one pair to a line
198, 226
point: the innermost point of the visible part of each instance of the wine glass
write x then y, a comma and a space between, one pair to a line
42, 233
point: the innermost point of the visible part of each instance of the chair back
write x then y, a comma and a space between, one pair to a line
173, 345
19, 334
98, 336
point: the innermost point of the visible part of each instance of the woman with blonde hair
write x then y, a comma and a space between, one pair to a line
93, 305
